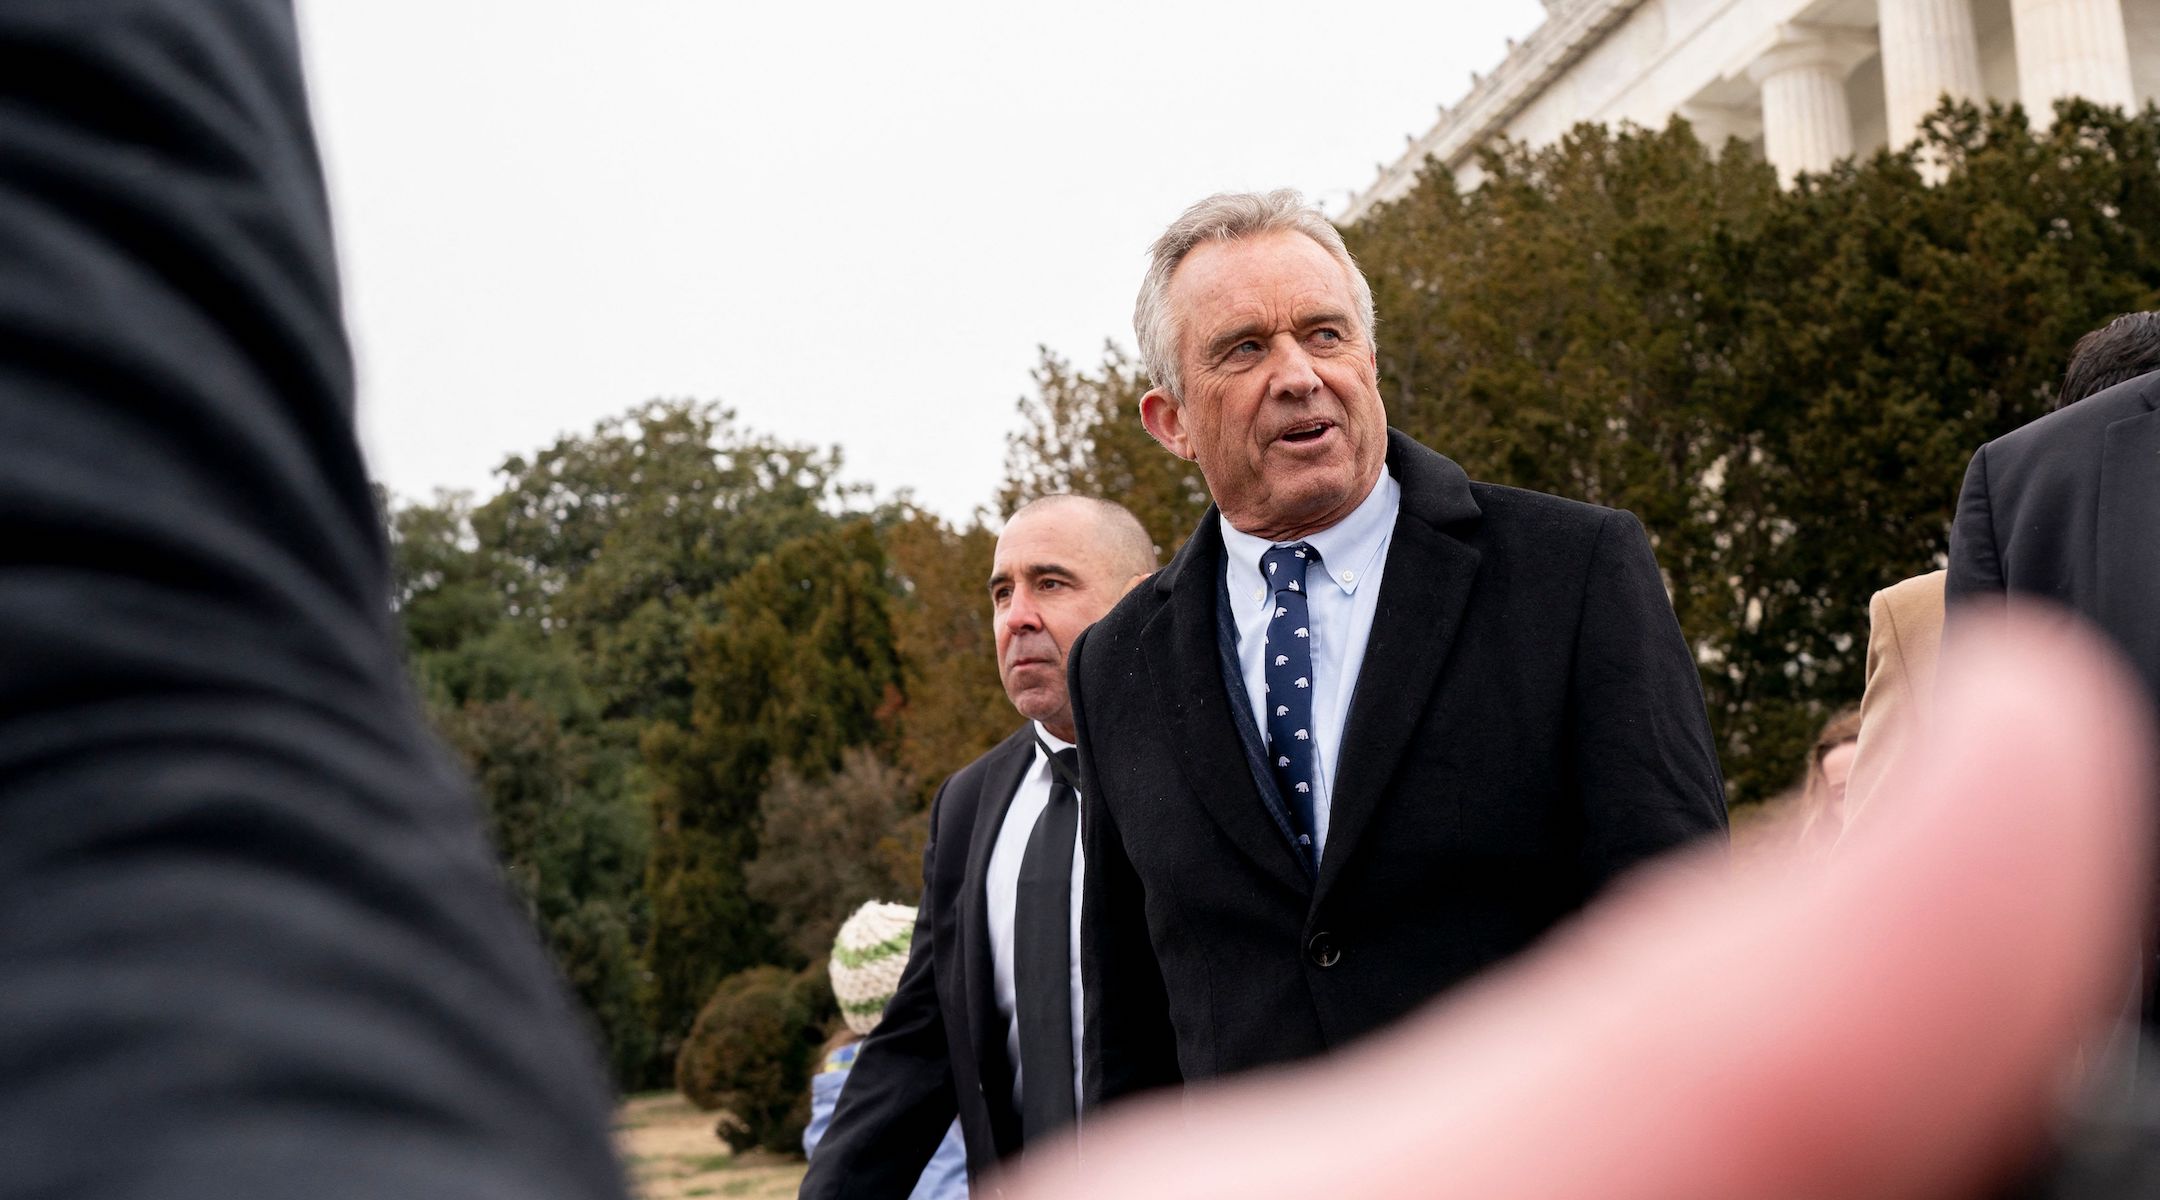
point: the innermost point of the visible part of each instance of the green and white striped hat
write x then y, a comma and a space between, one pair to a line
867, 959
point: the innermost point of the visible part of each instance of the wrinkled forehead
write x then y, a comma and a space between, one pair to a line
1265, 273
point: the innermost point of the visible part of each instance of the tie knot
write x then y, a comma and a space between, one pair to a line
1285, 566
1069, 759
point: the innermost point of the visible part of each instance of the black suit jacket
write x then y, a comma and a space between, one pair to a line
254, 941
940, 1047
1527, 725
2066, 508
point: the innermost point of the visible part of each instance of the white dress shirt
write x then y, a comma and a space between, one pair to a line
1353, 553
1001, 889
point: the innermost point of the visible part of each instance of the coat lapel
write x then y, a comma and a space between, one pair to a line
1184, 660
1426, 586
2128, 556
1007, 764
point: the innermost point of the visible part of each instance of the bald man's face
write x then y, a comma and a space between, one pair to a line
1055, 574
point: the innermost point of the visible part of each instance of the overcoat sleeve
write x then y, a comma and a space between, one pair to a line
254, 940
1128, 1045
1646, 765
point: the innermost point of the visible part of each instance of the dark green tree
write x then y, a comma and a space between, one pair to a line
567, 817
620, 539
801, 668
574, 846
1784, 385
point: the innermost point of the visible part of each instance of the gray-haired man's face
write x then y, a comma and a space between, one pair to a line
1282, 406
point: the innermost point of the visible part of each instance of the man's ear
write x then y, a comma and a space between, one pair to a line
1164, 418
1134, 582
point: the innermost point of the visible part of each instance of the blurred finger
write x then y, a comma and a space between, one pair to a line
1892, 1023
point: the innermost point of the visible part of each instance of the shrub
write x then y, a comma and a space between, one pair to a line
751, 1052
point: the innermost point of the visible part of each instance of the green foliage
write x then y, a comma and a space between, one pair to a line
562, 796
1785, 386
444, 589
1083, 435
574, 845
622, 538
751, 1052
803, 668
556, 631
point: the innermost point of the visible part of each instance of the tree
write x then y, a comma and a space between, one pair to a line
444, 587
567, 818
954, 703
621, 538
802, 668
552, 629
1083, 435
573, 843
1784, 385
825, 848
750, 1054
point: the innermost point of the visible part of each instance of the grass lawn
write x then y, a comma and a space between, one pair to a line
672, 1154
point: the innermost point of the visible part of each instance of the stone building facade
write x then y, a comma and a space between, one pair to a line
1806, 81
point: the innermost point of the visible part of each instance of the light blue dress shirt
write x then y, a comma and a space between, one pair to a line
1353, 554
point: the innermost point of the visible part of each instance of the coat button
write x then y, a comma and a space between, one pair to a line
1323, 950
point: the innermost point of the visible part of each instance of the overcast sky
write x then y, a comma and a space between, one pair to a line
853, 223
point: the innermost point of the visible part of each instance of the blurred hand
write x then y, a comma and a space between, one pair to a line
1896, 1021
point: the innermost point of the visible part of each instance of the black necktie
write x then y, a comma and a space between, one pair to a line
1042, 959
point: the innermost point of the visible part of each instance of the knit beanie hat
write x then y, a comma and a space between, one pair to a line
867, 959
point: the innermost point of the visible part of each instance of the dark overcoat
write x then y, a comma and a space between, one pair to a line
1526, 726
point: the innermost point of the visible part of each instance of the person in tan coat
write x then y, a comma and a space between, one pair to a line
1905, 622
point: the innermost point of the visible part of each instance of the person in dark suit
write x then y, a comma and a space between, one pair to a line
1375, 727
1905, 620
2064, 509
985, 1021
256, 942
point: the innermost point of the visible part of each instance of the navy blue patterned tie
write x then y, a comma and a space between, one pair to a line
1292, 750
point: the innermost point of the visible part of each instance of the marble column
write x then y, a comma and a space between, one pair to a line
2070, 48
1807, 125
1929, 50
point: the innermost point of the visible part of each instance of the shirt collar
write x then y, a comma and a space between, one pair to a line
1039, 767
1048, 739
1347, 548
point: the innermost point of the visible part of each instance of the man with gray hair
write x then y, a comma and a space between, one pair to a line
1376, 726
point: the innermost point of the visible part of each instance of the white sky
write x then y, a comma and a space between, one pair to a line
853, 223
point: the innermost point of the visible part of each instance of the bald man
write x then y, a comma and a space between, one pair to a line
986, 1020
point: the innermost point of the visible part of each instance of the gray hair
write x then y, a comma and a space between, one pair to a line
1226, 217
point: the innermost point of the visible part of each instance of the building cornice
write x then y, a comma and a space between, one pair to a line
1571, 29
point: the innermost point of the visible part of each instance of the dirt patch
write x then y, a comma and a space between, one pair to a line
672, 1154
